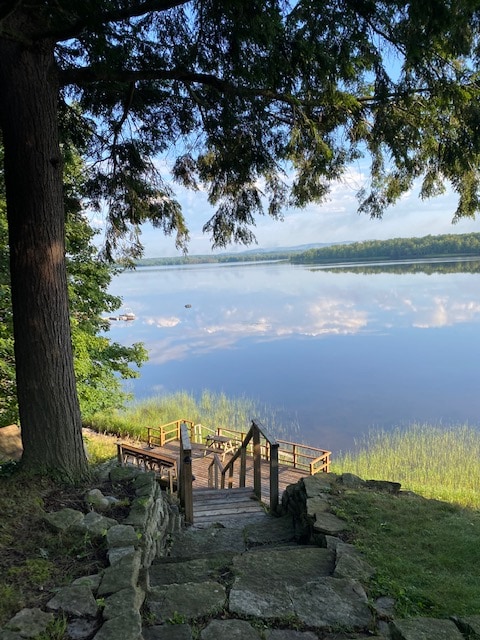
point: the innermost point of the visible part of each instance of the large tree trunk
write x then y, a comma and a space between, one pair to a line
48, 403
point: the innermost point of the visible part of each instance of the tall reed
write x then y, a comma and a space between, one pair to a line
433, 460
210, 409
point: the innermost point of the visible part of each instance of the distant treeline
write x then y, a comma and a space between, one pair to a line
222, 258
451, 245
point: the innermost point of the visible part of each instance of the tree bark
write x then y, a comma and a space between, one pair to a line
47, 397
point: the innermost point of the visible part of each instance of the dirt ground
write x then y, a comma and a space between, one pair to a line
10, 443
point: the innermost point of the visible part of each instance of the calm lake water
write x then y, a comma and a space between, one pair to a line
338, 353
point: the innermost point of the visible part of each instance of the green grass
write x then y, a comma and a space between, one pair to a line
424, 542
434, 461
426, 552
210, 409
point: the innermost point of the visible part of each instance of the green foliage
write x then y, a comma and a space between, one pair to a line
435, 461
250, 91
448, 245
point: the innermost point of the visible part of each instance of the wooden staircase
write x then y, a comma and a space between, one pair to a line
228, 508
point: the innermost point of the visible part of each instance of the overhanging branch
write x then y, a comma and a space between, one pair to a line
134, 10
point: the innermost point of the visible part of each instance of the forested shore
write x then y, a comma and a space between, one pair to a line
448, 245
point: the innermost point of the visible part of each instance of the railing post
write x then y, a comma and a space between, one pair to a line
243, 466
186, 477
274, 491
257, 462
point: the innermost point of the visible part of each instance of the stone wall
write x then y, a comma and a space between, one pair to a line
107, 606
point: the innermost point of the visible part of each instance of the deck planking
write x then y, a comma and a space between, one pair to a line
200, 463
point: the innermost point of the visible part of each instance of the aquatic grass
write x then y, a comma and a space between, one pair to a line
210, 409
435, 461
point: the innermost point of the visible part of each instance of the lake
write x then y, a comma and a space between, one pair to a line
337, 352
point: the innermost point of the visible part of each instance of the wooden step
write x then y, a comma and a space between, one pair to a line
225, 507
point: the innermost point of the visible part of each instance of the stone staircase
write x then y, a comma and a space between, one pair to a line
249, 580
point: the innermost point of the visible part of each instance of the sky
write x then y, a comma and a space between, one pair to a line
335, 220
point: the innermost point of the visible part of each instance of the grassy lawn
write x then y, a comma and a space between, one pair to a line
426, 552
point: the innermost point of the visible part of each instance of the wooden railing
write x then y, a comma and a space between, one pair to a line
159, 436
299, 456
256, 433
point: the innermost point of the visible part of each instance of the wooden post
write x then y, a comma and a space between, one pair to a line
186, 477
243, 466
274, 493
257, 463
119, 454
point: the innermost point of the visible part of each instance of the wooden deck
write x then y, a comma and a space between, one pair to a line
201, 462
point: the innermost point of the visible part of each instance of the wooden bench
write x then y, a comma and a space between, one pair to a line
163, 465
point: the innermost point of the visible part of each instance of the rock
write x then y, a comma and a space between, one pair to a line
64, 519
198, 570
332, 603
76, 600
350, 563
121, 535
96, 500
270, 531
384, 486
128, 601
95, 524
123, 474
29, 623
384, 607
81, 629
329, 524
126, 627
317, 504
168, 632
231, 629
115, 555
262, 579
351, 481
121, 575
187, 601
424, 629
318, 484
90, 581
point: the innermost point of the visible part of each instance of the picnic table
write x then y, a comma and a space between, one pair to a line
224, 444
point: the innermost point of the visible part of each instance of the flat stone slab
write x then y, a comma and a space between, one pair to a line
262, 579
329, 524
425, 629
332, 603
187, 601
270, 531
231, 629
191, 544
319, 483
168, 632
197, 570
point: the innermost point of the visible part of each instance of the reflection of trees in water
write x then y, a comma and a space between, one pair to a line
460, 266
